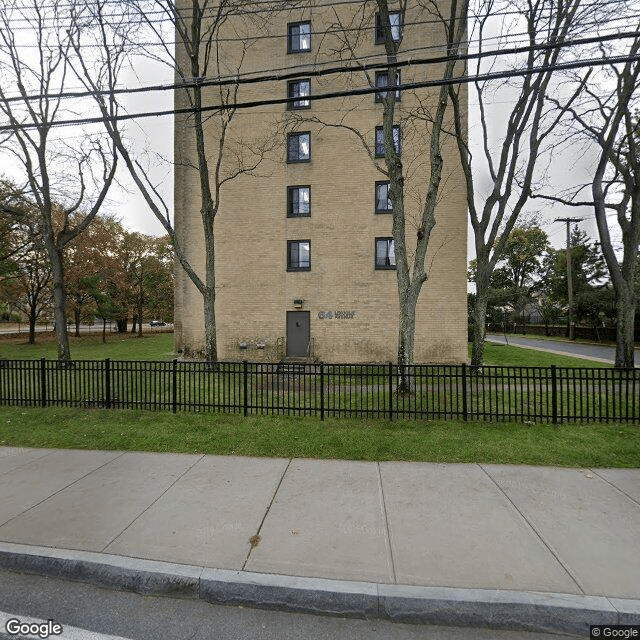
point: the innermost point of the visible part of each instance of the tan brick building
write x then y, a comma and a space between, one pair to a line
304, 262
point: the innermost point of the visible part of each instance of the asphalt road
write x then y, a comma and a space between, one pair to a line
606, 354
88, 612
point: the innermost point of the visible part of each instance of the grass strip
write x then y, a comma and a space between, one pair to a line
566, 445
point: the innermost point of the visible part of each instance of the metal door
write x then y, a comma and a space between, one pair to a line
298, 334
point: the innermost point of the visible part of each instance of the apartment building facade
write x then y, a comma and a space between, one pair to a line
304, 250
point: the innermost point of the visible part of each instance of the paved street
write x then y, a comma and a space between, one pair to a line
84, 610
603, 353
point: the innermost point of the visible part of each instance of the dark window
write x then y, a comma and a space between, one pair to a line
298, 202
382, 80
395, 22
383, 201
385, 253
299, 255
380, 140
299, 89
299, 37
299, 147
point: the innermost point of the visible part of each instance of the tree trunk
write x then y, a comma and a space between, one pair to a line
32, 327
104, 330
60, 300
76, 317
625, 353
408, 299
479, 328
211, 348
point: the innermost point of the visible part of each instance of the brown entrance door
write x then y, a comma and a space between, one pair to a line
298, 334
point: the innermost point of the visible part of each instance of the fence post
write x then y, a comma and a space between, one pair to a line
390, 390
322, 391
245, 388
174, 396
465, 411
43, 382
107, 382
554, 395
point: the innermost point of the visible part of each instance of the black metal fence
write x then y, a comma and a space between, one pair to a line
549, 394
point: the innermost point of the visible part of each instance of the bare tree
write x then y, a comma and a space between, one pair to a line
210, 149
500, 181
606, 115
62, 179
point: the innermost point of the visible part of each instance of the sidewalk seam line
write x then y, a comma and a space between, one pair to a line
535, 530
104, 549
386, 522
266, 513
26, 464
622, 491
55, 493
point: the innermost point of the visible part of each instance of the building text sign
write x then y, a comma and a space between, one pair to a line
336, 315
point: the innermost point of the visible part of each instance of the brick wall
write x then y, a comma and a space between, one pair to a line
352, 306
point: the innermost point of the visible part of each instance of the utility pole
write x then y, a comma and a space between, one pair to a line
568, 221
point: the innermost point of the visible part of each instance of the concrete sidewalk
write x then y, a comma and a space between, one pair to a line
536, 548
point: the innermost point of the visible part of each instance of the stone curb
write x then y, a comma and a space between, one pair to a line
512, 610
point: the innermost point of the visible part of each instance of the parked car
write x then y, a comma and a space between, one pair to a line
157, 323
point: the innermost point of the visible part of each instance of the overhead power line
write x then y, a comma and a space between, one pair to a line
340, 94
313, 73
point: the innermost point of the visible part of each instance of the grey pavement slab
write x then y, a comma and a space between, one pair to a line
208, 516
91, 512
591, 526
14, 457
326, 521
627, 480
29, 484
450, 526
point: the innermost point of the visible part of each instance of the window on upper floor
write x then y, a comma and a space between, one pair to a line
299, 37
383, 201
299, 255
299, 89
299, 147
395, 22
382, 81
380, 140
298, 202
385, 253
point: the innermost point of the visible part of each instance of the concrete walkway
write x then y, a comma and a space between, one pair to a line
537, 548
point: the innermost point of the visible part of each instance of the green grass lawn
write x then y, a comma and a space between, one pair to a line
303, 437
573, 445
160, 346
503, 355
152, 346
